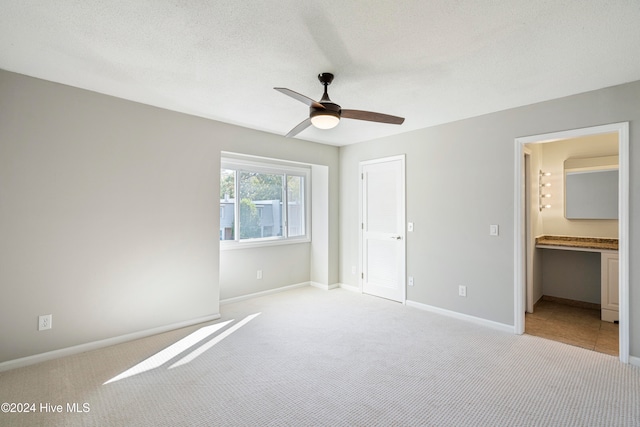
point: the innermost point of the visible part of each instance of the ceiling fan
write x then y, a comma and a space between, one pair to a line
325, 114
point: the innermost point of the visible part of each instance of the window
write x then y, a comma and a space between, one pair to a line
263, 201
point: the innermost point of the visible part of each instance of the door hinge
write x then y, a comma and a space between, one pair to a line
362, 176
362, 225
362, 275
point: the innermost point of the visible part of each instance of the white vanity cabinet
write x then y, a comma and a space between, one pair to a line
609, 286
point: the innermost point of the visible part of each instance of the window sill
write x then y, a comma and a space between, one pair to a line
228, 245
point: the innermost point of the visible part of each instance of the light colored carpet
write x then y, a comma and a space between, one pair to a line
331, 358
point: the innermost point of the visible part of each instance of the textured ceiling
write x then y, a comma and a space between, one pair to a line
429, 61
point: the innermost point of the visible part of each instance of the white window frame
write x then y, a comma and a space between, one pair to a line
240, 163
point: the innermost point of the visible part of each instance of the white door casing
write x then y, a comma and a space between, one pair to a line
622, 130
382, 226
529, 241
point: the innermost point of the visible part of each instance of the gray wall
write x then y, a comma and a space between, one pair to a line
460, 179
281, 265
109, 214
109, 210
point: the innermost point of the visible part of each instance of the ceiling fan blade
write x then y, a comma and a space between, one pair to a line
302, 126
372, 117
295, 95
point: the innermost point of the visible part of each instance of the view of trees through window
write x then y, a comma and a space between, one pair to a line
260, 201
260, 204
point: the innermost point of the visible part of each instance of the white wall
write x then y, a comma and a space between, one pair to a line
460, 180
109, 214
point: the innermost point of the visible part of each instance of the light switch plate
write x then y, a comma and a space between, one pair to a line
493, 230
410, 226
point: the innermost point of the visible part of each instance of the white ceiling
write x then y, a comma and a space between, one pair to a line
429, 61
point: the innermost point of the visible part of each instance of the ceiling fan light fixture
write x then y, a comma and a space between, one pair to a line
325, 119
325, 114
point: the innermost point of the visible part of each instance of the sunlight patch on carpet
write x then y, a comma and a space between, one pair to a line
170, 352
197, 352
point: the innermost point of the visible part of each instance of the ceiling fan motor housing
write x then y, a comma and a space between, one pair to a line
325, 118
330, 109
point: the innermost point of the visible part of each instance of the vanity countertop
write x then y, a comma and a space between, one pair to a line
578, 242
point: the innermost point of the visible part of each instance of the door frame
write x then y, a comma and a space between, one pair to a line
622, 130
528, 241
403, 216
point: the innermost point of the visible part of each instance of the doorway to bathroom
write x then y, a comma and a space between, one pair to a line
572, 272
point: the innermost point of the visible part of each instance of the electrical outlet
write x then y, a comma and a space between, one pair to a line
44, 322
462, 291
259, 274
354, 270
410, 280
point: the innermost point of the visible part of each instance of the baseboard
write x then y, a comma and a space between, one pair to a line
635, 361
350, 287
477, 320
94, 345
263, 293
323, 286
570, 302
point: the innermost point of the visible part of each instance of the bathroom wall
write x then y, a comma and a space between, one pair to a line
573, 275
553, 156
570, 274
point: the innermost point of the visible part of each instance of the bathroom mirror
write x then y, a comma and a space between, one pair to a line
591, 188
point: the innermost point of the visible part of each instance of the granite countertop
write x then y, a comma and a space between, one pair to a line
578, 242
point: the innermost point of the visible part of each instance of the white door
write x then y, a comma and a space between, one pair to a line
382, 228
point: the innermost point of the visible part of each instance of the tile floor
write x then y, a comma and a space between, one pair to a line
577, 326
